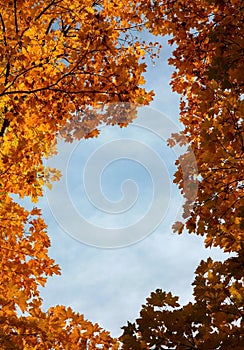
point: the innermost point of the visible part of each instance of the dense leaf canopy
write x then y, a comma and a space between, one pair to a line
208, 60
60, 61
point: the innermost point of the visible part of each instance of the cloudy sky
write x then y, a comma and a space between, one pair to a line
110, 216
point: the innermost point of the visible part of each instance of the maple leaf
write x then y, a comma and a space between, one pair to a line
208, 62
59, 61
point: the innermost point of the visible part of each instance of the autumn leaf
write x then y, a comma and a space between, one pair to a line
60, 61
208, 74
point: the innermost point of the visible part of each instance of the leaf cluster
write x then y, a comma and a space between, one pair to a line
208, 39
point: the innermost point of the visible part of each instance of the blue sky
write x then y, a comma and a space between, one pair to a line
109, 285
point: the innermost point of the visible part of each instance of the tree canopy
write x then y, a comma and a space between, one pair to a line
208, 60
59, 62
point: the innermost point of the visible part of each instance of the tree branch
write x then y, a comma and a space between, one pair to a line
4, 31
15, 17
46, 8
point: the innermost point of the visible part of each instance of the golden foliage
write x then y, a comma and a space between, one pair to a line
60, 61
208, 58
